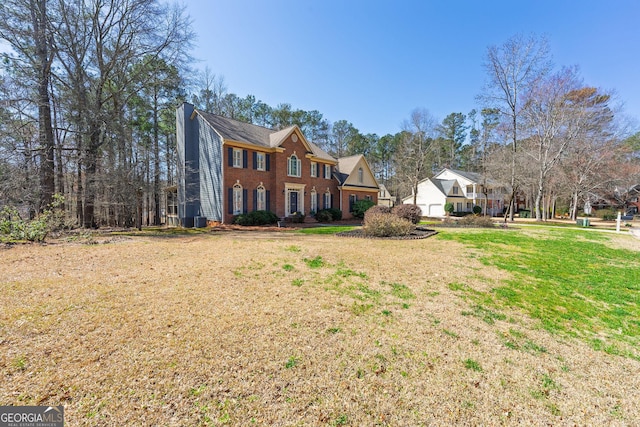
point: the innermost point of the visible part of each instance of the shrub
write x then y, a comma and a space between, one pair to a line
376, 210
476, 221
606, 214
386, 225
37, 229
256, 218
324, 216
411, 213
448, 208
297, 217
360, 207
477, 210
336, 214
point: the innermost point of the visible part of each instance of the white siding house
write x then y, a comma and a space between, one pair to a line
463, 189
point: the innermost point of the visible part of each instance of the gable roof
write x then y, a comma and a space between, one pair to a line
347, 166
444, 185
235, 130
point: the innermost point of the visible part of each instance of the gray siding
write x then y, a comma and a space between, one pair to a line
199, 169
211, 184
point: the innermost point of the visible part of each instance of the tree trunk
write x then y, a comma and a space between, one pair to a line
45, 129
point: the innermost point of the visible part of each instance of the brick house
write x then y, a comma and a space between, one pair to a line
227, 167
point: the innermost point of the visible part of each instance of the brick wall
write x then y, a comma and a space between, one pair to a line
275, 179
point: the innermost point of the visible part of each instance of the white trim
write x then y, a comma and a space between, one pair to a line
289, 188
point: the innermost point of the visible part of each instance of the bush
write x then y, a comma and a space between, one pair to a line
448, 208
477, 210
336, 214
476, 221
297, 217
360, 207
324, 216
37, 229
376, 210
411, 213
386, 225
606, 214
256, 218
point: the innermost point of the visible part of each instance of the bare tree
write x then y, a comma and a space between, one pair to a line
101, 42
415, 149
511, 70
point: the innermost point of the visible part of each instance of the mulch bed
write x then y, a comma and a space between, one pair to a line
417, 233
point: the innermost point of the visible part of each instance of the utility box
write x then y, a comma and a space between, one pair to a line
583, 222
200, 221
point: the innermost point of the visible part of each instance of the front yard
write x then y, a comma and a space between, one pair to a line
248, 328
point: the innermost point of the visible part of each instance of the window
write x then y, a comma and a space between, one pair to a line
261, 199
237, 158
260, 162
327, 171
352, 199
455, 189
360, 175
327, 200
314, 169
237, 199
459, 207
293, 165
469, 189
368, 198
314, 200
469, 208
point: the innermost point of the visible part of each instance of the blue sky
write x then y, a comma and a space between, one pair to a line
373, 62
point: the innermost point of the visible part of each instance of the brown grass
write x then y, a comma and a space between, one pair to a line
243, 329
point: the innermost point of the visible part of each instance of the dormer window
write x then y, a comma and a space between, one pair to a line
293, 166
455, 189
360, 176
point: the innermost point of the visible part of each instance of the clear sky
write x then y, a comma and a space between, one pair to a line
372, 62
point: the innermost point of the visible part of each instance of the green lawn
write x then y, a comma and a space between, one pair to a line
572, 281
332, 229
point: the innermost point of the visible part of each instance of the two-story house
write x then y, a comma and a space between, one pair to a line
463, 189
227, 167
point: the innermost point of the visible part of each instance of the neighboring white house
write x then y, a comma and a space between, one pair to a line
385, 198
463, 189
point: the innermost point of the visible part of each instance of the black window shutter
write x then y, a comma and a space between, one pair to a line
230, 201
230, 156
255, 199
255, 160
331, 201
245, 162
245, 202
267, 197
268, 164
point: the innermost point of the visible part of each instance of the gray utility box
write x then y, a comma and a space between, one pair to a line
583, 222
200, 221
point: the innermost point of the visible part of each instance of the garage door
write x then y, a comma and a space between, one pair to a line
436, 210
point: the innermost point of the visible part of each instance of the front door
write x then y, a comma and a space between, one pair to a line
293, 202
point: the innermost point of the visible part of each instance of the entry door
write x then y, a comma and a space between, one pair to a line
293, 201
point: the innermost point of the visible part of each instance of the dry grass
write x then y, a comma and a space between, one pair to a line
254, 329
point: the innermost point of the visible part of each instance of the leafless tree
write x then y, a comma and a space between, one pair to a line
512, 68
415, 149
